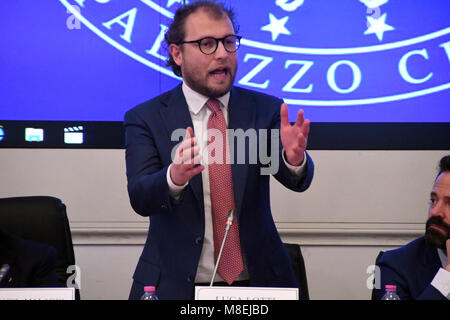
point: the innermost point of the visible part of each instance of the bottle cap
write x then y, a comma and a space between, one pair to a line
149, 288
390, 287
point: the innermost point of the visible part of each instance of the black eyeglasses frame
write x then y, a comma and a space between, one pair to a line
238, 39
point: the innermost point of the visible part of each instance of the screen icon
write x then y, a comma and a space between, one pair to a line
34, 134
74, 135
2, 133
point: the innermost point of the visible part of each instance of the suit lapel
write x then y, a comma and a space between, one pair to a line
426, 267
241, 116
431, 262
175, 115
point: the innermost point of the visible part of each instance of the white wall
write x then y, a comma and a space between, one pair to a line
360, 202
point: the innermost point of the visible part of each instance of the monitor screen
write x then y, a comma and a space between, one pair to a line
70, 69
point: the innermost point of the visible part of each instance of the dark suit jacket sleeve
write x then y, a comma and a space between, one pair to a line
44, 274
402, 273
431, 293
32, 264
391, 276
145, 172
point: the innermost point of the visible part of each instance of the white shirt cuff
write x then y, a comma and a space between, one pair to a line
174, 190
441, 282
296, 170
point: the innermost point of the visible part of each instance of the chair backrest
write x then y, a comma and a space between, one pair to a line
41, 219
298, 264
374, 288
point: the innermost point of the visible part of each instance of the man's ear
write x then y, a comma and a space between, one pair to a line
175, 52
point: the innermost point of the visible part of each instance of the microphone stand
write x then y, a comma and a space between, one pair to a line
230, 218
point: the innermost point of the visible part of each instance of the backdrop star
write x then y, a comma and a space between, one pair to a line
374, 3
276, 26
172, 2
378, 26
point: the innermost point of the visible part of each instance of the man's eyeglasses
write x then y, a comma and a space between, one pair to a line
209, 45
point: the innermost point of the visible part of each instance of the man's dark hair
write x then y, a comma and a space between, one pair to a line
176, 32
444, 164
433, 237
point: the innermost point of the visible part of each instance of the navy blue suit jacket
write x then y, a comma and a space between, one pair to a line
32, 264
172, 251
411, 268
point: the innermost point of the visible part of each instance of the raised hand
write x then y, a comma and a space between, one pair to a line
185, 160
294, 138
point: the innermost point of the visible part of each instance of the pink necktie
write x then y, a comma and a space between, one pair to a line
222, 198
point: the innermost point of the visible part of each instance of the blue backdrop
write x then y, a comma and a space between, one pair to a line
341, 61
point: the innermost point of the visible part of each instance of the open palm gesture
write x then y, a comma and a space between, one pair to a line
294, 138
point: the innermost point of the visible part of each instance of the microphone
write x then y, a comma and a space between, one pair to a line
230, 218
4, 271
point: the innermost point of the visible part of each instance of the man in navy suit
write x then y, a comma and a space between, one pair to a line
421, 269
26, 263
182, 192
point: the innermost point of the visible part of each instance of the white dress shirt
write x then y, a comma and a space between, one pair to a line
200, 115
441, 280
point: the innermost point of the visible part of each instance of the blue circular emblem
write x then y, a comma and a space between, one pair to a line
317, 53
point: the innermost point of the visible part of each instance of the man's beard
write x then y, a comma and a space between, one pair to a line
434, 237
196, 82
210, 92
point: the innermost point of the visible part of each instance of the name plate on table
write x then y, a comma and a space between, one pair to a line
245, 293
37, 293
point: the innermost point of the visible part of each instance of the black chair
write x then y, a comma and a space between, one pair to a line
376, 263
41, 219
298, 264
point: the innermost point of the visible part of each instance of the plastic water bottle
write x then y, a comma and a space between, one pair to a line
149, 293
391, 293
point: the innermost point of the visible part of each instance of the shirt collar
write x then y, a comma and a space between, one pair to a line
196, 101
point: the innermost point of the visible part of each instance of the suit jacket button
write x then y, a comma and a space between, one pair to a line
190, 279
198, 240
164, 207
